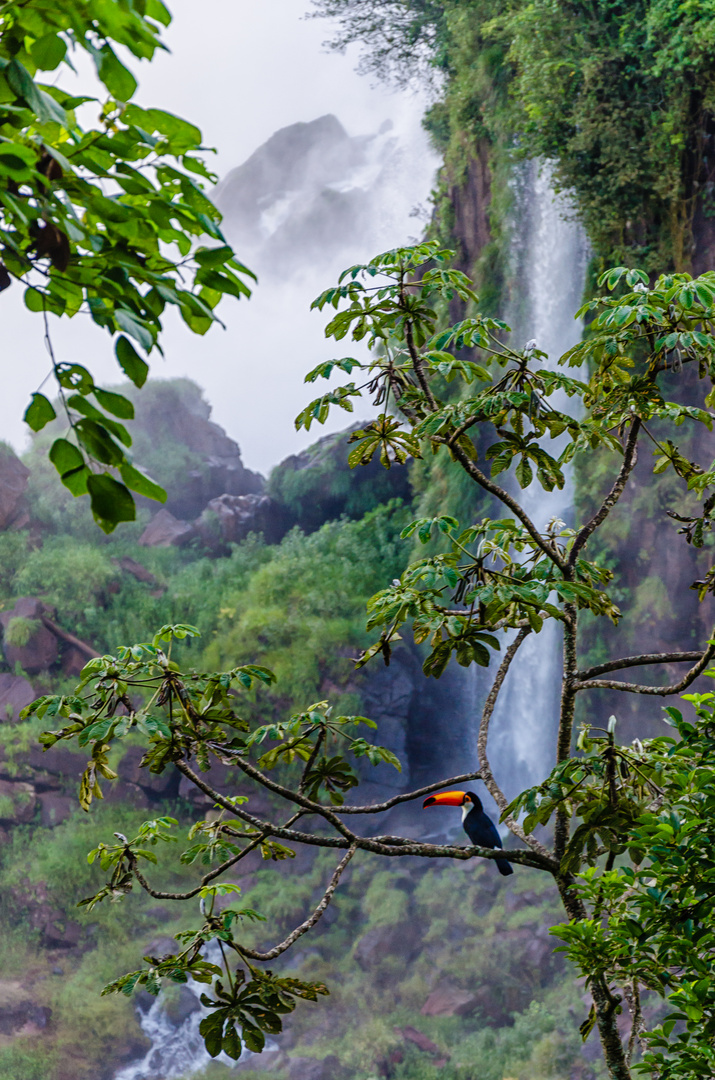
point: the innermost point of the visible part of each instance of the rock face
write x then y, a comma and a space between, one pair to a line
13, 481
15, 694
318, 485
230, 518
308, 194
26, 640
164, 530
190, 456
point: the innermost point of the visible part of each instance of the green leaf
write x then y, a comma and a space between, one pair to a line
111, 501
70, 464
116, 404
119, 81
142, 484
39, 412
48, 51
131, 324
130, 362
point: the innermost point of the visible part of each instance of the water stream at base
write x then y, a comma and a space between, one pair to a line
549, 257
177, 1050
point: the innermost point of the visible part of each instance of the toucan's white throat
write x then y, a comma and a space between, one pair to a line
466, 807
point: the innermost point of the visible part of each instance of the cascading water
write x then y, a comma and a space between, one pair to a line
177, 1049
549, 256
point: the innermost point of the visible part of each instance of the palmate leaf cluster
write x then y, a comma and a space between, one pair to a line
503, 573
111, 220
649, 806
184, 716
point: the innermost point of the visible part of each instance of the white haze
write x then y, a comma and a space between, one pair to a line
241, 70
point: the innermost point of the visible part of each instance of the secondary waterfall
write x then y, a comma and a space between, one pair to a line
549, 256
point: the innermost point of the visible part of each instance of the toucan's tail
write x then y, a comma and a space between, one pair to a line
504, 867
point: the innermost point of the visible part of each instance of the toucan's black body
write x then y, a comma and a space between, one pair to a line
482, 831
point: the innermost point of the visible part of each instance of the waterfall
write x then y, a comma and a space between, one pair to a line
549, 256
177, 1050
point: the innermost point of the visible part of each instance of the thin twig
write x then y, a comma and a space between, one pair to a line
639, 661
630, 457
486, 769
309, 922
653, 691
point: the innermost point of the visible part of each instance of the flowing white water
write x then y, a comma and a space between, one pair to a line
549, 257
177, 1049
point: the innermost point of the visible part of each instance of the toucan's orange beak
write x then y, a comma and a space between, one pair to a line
445, 798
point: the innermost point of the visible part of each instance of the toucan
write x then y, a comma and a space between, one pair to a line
480, 829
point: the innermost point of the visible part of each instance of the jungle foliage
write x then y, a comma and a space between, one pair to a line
607, 804
619, 96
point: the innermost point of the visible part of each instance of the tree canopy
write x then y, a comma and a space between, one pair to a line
111, 221
624, 825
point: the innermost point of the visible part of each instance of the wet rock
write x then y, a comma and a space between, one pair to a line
180, 1006
57, 761
318, 485
73, 660
402, 941
230, 518
55, 808
13, 481
131, 566
19, 1014
305, 1068
15, 694
59, 932
17, 802
164, 530
423, 1043
155, 785
268, 1061
449, 1001
26, 640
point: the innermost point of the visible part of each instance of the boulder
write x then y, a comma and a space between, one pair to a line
180, 1005
402, 940
154, 785
26, 640
17, 802
189, 455
230, 518
318, 485
421, 1041
449, 1001
55, 807
15, 694
19, 1014
305, 1068
131, 566
13, 481
164, 530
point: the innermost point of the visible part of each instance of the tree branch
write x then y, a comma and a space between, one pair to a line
487, 775
653, 691
264, 826
638, 661
567, 711
377, 808
212, 874
309, 922
380, 845
500, 493
288, 794
630, 457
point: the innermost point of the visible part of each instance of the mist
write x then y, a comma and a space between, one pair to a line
242, 72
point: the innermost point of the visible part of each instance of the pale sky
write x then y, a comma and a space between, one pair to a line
240, 69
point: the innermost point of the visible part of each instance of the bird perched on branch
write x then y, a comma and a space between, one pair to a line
480, 829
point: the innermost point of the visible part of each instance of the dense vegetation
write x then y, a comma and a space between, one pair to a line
620, 96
